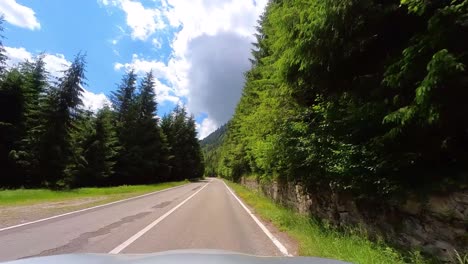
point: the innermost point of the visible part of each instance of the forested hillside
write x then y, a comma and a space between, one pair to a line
367, 97
214, 139
210, 147
47, 139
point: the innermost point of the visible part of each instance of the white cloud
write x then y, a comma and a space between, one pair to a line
209, 17
142, 21
17, 55
19, 15
165, 93
162, 72
156, 43
94, 101
171, 72
195, 70
55, 65
202, 45
207, 127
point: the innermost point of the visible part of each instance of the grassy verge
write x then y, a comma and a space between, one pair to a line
316, 239
35, 196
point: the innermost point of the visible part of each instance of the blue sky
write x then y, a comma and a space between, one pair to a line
198, 49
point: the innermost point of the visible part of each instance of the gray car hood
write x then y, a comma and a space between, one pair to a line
174, 257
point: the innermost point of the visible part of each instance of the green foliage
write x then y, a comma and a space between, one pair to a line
35, 196
12, 108
359, 96
210, 147
149, 142
60, 112
185, 157
415, 6
124, 101
48, 140
98, 149
26, 151
319, 239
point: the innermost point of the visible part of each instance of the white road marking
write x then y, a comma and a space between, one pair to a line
273, 239
132, 239
90, 208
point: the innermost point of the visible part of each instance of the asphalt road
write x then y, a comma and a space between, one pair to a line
201, 215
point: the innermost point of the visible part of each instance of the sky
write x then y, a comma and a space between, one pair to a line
199, 50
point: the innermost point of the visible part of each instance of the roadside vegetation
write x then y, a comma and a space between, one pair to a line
319, 240
365, 97
35, 196
49, 140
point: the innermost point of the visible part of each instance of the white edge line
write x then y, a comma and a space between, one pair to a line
273, 239
132, 239
90, 208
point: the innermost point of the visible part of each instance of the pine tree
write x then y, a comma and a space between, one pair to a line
3, 56
148, 133
185, 152
125, 105
81, 136
194, 157
99, 147
60, 111
123, 100
12, 108
26, 150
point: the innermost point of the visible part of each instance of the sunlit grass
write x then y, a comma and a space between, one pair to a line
33, 196
317, 239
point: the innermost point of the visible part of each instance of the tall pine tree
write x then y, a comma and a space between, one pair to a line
185, 153
60, 111
99, 150
150, 140
124, 102
12, 108
26, 151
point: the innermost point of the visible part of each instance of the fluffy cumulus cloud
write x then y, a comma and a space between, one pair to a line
206, 127
94, 101
142, 21
19, 15
16, 55
210, 52
168, 77
55, 65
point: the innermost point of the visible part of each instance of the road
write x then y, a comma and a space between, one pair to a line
200, 215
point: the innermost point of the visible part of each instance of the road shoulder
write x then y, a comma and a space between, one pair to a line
13, 215
287, 241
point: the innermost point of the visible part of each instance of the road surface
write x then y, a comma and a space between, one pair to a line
201, 215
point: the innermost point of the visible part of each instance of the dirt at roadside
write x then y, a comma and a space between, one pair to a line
14, 215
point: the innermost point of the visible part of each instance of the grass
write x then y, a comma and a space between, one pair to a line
317, 239
35, 196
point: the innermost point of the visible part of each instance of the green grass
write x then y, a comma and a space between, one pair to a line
34, 196
316, 239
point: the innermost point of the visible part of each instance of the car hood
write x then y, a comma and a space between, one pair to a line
174, 257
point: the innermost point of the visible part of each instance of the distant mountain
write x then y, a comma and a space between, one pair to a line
211, 147
215, 139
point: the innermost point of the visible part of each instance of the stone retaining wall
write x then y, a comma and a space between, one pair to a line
436, 225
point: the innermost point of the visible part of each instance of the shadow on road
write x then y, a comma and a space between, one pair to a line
199, 180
